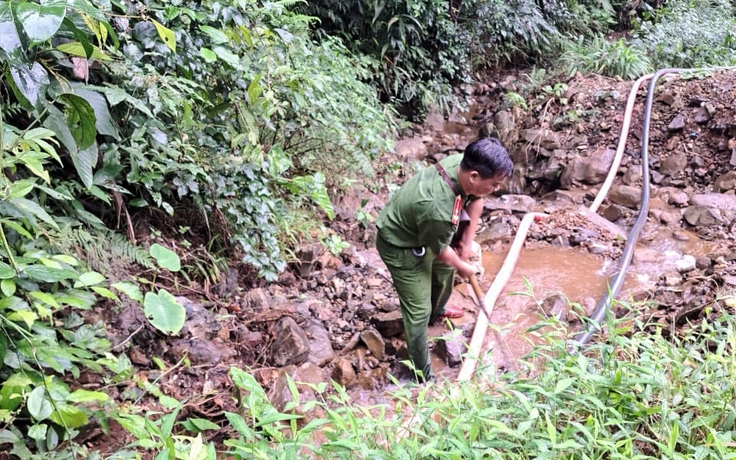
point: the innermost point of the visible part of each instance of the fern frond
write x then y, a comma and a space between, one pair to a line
101, 250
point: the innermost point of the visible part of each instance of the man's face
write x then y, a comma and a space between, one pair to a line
483, 187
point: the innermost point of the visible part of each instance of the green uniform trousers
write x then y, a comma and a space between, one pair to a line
424, 285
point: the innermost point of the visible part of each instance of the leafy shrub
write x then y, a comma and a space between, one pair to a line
690, 34
611, 58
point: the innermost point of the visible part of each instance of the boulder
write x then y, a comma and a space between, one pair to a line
290, 345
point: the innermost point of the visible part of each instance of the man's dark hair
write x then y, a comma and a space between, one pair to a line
487, 156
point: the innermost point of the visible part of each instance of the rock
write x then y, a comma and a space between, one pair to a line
725, 182
199, 352
200, 323
625, 195
228, 284
374, 342
308, 256
137, 356
602, 223
591, 170
666, 98
701, 116
674, 165
645, 256
612, 212
256, 299
700, 216
544, 138
685, 264
703, 262
672, 279
505, 125
497, 231
283, 400
450, 348
388, 323
343, 373
320, 346
677, 123
290, 345
410, 149
435, 120
513, 203
557, 305
715, 200
670, 217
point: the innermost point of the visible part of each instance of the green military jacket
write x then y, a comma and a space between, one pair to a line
420, 213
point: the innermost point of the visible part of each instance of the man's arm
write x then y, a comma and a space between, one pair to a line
474, 210
450, 257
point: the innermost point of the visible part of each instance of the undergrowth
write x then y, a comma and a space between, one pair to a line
638, 394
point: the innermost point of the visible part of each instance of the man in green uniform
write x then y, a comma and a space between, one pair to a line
415, 230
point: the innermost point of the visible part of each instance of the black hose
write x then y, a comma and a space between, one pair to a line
604, 305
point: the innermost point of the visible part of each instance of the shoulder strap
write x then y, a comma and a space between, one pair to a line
455, 189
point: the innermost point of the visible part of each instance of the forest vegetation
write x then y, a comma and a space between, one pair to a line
146, 144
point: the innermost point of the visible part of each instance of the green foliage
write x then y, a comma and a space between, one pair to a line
610, 58
636, 395
688, 33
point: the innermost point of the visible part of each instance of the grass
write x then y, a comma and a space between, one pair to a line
638, 394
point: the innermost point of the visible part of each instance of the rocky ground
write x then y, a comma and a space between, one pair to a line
336, 317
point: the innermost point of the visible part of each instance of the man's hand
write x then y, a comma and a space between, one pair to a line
466, 270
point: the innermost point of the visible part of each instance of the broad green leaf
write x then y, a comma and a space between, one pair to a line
9, 38
34, 209
40, 22
80, 118
6, 271
69, 260
69, 416
89, 279
48, 274
25, 316
218, 37
84, 300
254, 89
82, 396
104, 292
129, 289
45, 297
164, 312
56, 122
38, 405
55, 193
80, 50
208, 55
97, 101
31, 82
34, 161
17, 227
8, 437
166, 35
21, 188
165, 257
38, 432
203, 424
228, 56
80, 35
7, 287
84, 162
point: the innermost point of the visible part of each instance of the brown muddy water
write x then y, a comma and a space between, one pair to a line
582, 278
